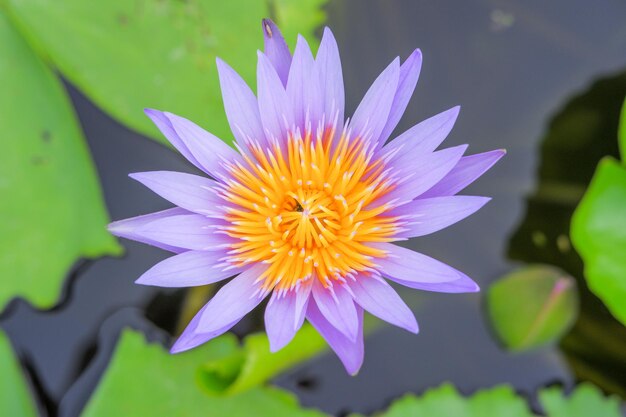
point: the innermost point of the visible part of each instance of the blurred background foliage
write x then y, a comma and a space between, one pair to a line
581, 136
125, 56
128, 55
51, 200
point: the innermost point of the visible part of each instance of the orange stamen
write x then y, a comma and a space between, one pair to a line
305, 213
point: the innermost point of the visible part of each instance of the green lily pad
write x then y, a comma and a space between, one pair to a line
145, 380
52, 210
599, 235
446, 401
126, 55
502, 401
587, 400
532, 306
15, 396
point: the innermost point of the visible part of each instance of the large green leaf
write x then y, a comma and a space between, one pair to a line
599, 234
502, 401
130, 54
254, 364
145, 380
532, 306
15, 396
51, 207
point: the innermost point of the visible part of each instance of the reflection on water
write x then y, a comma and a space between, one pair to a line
510, 64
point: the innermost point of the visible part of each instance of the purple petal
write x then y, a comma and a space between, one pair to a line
422, 173
462, 285
303, 293
164, 124
409, 74
188, 269
207, 149
241, 106
233, 301
419, 271
464, 173
300, 80
127, 228
274, 107
424, 216
191, 192
190, 338
422, 138
337, 305
376, 296
371, 116
350, 352
328, 65
188, 231
283, 319
276, 49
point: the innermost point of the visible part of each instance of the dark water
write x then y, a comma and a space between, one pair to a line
510, 64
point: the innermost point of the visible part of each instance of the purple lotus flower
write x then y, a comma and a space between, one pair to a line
306, 210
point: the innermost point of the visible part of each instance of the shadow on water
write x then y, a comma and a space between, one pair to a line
509, 63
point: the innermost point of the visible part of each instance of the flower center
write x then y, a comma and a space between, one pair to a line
308, 209
309, 219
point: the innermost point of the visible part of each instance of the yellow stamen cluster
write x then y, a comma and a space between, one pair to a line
305, 209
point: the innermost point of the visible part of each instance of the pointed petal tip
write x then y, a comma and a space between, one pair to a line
141, 281
415, 58
176, 348
329, 35
145, 279
460, 148
353, 369
223, 67
180, 345
412, 326
495, 155
269, 27
116, 228
447, 118
466, 285
154, 113
481, 202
